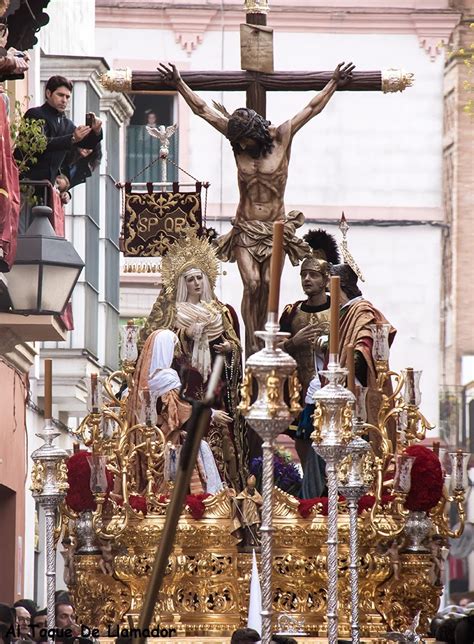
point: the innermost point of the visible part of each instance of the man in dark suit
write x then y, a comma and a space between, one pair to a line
63, 136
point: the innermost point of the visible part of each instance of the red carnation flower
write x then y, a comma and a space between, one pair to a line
195, 505
79, 496
138, 503
365, 503
426, 480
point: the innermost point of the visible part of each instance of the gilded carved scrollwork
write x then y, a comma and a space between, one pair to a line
206, 586
401, 597
100, 600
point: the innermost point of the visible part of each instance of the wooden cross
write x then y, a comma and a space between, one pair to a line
257, 83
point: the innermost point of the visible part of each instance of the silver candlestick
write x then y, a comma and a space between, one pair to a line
332, 433
353, 489
269, 416
49, 486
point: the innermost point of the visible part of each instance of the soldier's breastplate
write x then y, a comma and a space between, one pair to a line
304, 355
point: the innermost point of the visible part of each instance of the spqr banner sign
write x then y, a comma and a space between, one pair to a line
154, 220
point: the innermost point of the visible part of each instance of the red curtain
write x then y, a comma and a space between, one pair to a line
9, 195
58, 212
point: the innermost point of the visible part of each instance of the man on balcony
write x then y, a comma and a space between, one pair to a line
61, 133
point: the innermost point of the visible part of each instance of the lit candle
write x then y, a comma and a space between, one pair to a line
334, 322
350, 364
48, 388
94, 393
276, 266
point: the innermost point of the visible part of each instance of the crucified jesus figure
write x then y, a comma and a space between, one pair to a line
262, 153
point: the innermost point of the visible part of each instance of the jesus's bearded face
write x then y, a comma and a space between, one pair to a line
249, 133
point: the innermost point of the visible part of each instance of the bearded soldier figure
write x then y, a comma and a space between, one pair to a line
262, 153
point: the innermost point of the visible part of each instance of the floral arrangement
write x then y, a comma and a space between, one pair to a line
426, 480
306, 506
79, 496
195, 505
138, 503
286, 473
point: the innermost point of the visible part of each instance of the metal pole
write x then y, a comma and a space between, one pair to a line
49, 513
268, 415
267, 540
163, 162
49, 486
353, 490
354, 568
330, 440
332, 566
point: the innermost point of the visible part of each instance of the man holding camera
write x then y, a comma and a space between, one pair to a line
61, 133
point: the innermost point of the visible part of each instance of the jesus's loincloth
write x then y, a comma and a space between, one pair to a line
257, 238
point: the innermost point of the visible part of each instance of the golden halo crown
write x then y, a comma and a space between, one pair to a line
190, 251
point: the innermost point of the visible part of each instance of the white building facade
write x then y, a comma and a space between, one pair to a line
376, 157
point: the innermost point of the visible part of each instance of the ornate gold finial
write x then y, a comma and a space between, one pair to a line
348, 259
396, 80
190, 251
117, 80
256, 6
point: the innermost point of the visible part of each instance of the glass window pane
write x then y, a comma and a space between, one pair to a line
57, 283
23, 286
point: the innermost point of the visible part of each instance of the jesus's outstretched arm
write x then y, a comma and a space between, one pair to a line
201, 108
342, 75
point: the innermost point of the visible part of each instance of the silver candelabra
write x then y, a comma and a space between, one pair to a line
49, 486
353, 489
331, 436
269, 415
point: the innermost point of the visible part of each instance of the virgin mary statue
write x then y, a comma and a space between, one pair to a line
205, 327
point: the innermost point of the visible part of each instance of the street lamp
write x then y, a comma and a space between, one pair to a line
45, 271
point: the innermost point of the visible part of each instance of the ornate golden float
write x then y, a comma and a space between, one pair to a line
206, 588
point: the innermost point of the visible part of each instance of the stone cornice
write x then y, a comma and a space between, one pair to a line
118, 104
431, 22
22, 356
79, 68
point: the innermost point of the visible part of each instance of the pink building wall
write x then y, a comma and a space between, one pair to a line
12, 481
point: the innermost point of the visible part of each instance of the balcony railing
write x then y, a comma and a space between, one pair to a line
40, 193
142, 150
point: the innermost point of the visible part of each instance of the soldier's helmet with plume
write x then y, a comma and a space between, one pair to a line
325, 252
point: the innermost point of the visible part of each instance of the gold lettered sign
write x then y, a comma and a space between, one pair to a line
154, 220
